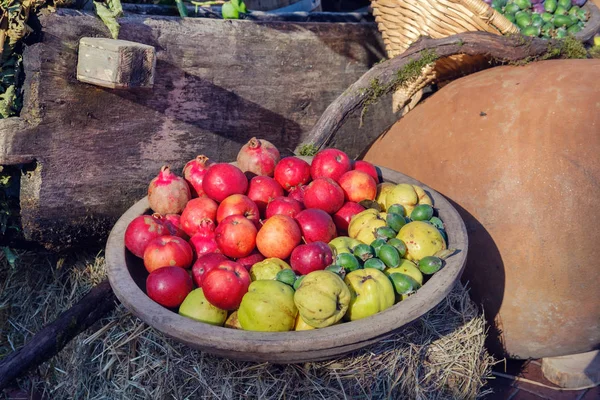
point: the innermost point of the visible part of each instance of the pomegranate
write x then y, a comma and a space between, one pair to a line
291, 172
173, 223
205, 263
196, 213
283, 206
278, 237
203, 244
236, 236
169, 286
344, 215
194, 172
324, 194
226, 284
250, 259
262, 190
310, 257
330, 163
297, 193
358, 186
222, 180
168, 193
166, 251
367, 167
141, 231
238, 204
258, 156
316, 225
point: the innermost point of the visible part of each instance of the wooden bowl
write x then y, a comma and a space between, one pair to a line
127, 277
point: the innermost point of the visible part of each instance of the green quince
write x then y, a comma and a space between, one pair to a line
268, 307
322, 298
371, 292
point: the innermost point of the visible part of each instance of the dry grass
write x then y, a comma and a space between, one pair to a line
442, 356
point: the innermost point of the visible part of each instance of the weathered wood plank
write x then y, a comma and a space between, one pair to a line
218, 83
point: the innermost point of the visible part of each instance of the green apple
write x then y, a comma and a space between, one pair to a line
371, 292
322, 298
196, 306
267, 269
268, 307
343, 244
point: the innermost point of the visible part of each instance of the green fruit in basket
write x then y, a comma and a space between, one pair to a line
430, 265
562, 21
422, 212
583, 15
560, 11
267, 269
375, 263
268, 306
573, 29
550, 6
536, 20
347, 261
531, 31
573, 11
395, 221
371, 292
523, 4
286, 276
403, 284
566, 4
337, 269
323, 298
399, 245
438, 223
298, 281
546, 17
498, 4
385, 232
364, 252
389, 255
377, 243
396, 209
511, 8
523, 21
343, 244
510, 17
195, 306
408, 268
560, 33
547, 28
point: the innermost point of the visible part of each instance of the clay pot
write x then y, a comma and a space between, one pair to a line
517, 149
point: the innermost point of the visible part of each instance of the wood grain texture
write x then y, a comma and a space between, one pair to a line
50, 340
127, 277
339, 126
218, 83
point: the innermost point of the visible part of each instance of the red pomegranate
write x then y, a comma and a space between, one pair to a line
141, 231
292, 172
330, 163
367, 167
238, 204
283, 206
297, 193
194, 172
258, 156
173, 223
236, 236
203, 244
324, 194
250, 259
205, 263
168, 193
196, 214
168, 286
222, 180
262, 190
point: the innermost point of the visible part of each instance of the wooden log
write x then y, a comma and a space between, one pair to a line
339, 125
51, 339
115, 64
218, 83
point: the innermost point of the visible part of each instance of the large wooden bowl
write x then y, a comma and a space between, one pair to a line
127, 277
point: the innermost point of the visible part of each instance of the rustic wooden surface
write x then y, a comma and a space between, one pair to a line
127, 277
338, 125
116, 64
50, 340
218, 83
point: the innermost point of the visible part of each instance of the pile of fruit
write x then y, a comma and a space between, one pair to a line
544, 18
280, 244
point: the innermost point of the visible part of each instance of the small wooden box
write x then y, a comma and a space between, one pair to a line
116, 64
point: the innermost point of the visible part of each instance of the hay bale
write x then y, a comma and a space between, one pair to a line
441, 356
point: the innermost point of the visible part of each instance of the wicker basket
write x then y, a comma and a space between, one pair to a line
402, 22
